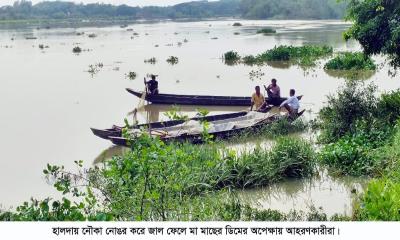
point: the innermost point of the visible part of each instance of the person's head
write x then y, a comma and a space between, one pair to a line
257, 89
153, 77
292, 92
273, 81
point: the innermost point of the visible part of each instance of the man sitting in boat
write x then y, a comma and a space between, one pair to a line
292, 104
257, 99
274, 93
152, 85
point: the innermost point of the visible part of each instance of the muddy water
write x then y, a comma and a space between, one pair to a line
332, 195
48, 100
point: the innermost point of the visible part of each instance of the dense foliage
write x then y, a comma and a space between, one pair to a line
261, 9
376, 26
305, 56
350, 61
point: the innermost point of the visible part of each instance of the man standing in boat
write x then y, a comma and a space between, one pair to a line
257, 99
152, 85
274, 93
292, 104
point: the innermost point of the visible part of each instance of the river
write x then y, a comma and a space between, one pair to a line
49, 100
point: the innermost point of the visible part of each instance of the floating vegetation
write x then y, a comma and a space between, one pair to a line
266, 31
156, 45
131, 75
80, 33
236, 33
92, 35
176, 33
41, 46
123, 26
304, 56
173, 60
135, 34
129, 30
231, 57
185, 40
30, 38
179, 44
94, 69
250, 60
214, 38
152, 60
351, 61
208, 32
237, 24
77, 49
256, 74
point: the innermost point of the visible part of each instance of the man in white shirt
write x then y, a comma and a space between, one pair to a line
291, 104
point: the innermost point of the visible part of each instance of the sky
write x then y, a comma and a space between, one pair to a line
116, 2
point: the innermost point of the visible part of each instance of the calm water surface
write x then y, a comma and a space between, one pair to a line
48, 100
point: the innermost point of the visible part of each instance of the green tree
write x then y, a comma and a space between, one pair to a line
376, 26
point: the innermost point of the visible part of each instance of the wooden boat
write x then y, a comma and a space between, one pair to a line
116, 131
197, 137
197, 99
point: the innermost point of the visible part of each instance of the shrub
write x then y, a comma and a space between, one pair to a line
380, 201
304, 55
353, 102
351, 61
76, 50
389, 107
231, 56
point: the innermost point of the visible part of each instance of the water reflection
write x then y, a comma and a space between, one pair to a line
333, 194
351, 74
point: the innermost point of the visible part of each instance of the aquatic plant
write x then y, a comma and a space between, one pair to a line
152, 60
94, 69
77, 49
266, 31
350, 61
303, 56
256, 74
173, 60
237, 24
92, 35
231, 57
131, 75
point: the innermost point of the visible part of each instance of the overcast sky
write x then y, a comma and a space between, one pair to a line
117, 2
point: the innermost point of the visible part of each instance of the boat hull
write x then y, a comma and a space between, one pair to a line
197, 99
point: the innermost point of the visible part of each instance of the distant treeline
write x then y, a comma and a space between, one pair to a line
254, 9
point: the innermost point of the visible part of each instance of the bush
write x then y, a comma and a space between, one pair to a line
389, 107
351, 61
352, 103
76, 50
304, 55
380, 201
231, 56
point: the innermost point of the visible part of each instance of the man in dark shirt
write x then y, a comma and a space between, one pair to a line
152, 85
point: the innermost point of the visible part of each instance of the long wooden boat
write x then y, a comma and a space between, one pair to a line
116, 131
197, 138
197, 99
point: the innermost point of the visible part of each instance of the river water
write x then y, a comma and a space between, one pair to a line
49, 100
